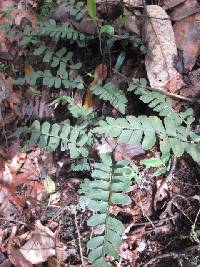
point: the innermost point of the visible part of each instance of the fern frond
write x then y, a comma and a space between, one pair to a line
159, 102
61, 80
144, 130
73, 139
61, 58
75, 9
111, 92
64, 31
109, 187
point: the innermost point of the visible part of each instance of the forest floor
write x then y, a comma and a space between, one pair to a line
41, 223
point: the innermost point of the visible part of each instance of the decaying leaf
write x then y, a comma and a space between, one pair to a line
121, 151
99, 75
14, 254
41, 246
188, 39
184, 10
20, 13
86, 26
162, 50
168, 4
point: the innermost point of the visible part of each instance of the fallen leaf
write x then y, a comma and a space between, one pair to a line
86, 26
28, 69
99, 75
49, 184
162, 51
184, 10
168, 4
121, 151
42, 245
14, 254
187, 37
19, 14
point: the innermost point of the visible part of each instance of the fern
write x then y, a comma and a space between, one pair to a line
108, 188
111, 92
61, 80
75, 9
64, 31
77, 110
60, 59
73, 139
144, 130
80, 166
159, 102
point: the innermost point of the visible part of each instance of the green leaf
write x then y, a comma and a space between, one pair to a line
40, 50
120, 60
107, 29
95, 242
49, 185
91, 8
95, 254
120, 199
152, 162
97, 219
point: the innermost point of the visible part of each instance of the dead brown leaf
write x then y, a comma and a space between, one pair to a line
86, 26
14, 254
188, 39
19, 14
42, 245
188, 8
162, 50
168, 4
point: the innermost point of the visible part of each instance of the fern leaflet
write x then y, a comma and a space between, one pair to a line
111, 92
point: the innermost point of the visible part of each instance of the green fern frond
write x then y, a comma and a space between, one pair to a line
61, 80
73, 139
159, 102
75, 9
62, 58
143, 129
64, 31
111, 92
77, 110
109, 187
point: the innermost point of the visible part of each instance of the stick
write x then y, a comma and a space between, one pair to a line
175, 96
79, 239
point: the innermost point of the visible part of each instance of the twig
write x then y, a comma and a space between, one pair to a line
175, 96
79, 239
169, 176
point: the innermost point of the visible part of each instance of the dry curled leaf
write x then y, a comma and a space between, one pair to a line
188, 39
162, 51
